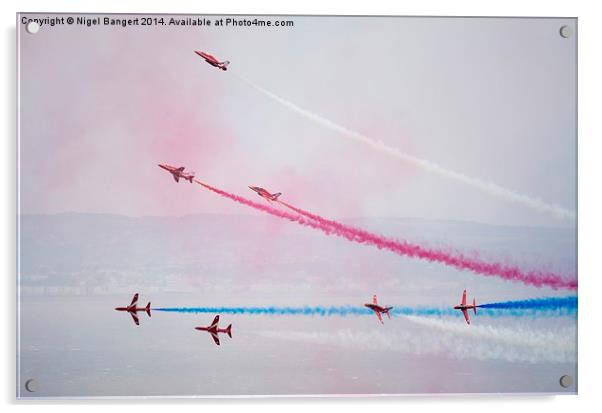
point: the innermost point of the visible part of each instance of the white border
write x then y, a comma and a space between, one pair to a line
590, 196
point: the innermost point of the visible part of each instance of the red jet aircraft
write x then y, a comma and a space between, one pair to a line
132, 309
378, 309
265, 194
213, 329
178, 173
464, 307
213, 61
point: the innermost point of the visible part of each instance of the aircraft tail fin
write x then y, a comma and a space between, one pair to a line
474, 305
388, 313
229, 330
148, 309
190, 178
276, 195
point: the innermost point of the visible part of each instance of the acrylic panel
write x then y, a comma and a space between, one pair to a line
295, 205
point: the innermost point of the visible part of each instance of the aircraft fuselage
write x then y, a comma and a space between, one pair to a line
177, 173
265, 193
130, 309
376, 307
213, 61
213, 330
464, 307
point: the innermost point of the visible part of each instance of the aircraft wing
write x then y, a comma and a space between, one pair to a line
135, 318
215, 321
134, 300
466, 315
464, 298
215, 338
176, 177
380, 317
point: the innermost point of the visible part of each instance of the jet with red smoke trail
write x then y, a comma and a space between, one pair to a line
265, 194
465, 307
214, 330
378, 310
213, 61
178, 173
132, 309
538, 278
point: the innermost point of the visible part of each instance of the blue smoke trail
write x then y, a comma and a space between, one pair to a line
540, 307
309, 311
548, 303
318, 310
560, 306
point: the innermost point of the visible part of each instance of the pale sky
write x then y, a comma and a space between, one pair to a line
100, 107
490, 98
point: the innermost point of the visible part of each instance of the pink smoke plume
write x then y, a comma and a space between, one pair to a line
406, 249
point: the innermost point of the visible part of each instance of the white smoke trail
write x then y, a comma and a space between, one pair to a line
488, 187
461, 343
554, 345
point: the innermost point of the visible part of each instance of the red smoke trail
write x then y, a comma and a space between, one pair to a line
406, 249
270, 210
458, 260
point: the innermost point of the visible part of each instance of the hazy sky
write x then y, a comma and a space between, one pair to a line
491, 98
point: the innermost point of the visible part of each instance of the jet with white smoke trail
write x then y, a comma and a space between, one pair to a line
484, 186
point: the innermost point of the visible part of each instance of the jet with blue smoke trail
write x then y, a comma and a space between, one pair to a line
133, 308
378, 309
541, 307
465, 307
